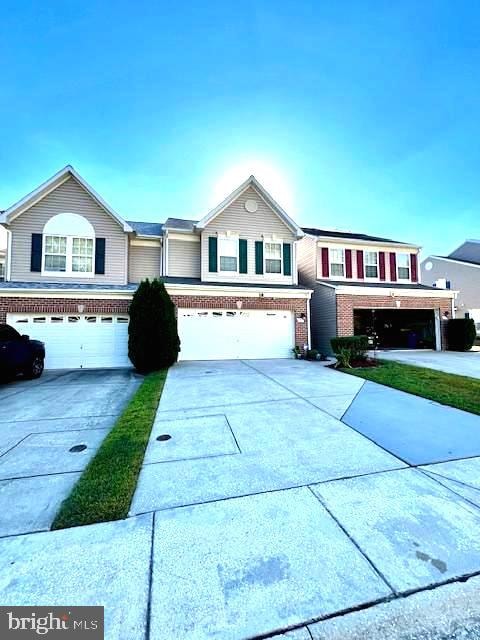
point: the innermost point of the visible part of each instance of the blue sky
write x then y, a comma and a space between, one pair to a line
362, 116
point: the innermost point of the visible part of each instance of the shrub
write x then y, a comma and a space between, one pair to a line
153, 341
312, 354
461, 334
357, 347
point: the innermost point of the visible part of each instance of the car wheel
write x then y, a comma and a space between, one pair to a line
36, 368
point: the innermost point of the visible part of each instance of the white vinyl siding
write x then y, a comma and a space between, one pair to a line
144, 262
69, 197
264, 225
184, 258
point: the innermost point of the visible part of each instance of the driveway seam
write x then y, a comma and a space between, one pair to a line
354, 542
477, 507
150, 582
105, 415
294, 392
267, 491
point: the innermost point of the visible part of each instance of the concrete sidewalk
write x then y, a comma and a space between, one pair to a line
264, 513
459, 363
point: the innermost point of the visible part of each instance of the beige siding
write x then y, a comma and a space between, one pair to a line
463, 278
184, 258
144, 262
306, 260
250, 226
69, 197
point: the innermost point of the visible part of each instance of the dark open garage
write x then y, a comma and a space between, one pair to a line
397, 328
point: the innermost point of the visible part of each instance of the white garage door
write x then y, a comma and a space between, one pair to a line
224, 335
77, 341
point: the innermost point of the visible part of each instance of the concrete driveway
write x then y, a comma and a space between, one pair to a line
268, 504
462, 364
41, 421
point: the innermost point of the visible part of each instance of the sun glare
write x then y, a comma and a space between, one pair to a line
270, 177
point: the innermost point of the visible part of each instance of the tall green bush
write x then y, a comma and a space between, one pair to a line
461, 334
153, 341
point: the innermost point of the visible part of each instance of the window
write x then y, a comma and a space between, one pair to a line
55, 253
68, 246
82, 255
2, 271
403, 266
337, 263
273, 257
371, 264
228, 252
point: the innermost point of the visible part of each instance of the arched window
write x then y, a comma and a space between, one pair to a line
68, 246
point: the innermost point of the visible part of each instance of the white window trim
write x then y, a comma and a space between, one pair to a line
365, 265
330, 262
265, 272
398, 267
219, 255
68, 273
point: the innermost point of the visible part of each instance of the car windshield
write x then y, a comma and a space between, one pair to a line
8, 333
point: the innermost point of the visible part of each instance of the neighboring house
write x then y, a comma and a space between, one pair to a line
73, 265
368, 285
459, 271
3, 254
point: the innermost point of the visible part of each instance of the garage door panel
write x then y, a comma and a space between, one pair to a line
77, 341
227, 334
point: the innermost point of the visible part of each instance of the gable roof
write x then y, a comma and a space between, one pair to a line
466, 263
348, 235
48, 186
251, 182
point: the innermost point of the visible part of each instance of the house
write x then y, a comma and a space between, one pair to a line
3, 254
459, 271
368, 285
73, 265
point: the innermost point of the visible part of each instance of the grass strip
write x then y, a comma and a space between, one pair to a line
456, 391
105, 489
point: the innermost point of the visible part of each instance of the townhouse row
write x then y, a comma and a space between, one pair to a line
247, 281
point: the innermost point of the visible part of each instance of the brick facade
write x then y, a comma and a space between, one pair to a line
92, 306
347, 303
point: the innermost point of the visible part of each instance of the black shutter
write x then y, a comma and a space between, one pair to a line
36, 254
258, 257
242, 256
212, 254
100, 256
287, 259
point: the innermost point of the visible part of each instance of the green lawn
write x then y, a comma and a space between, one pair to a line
105, 489
460, 392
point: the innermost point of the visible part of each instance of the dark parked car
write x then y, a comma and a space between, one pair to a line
19, 354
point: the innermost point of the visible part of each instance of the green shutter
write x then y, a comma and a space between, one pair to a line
258, 257
242, 256
287, 259
212, 254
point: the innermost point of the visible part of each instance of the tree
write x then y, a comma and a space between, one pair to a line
153, 341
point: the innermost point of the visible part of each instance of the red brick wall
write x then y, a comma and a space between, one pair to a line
64, 305
347, 303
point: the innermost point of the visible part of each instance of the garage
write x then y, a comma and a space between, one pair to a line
398, 328
216, 334
77, 341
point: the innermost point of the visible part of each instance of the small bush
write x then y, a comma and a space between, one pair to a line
461, 334
356, 346
153, 341
312, 354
